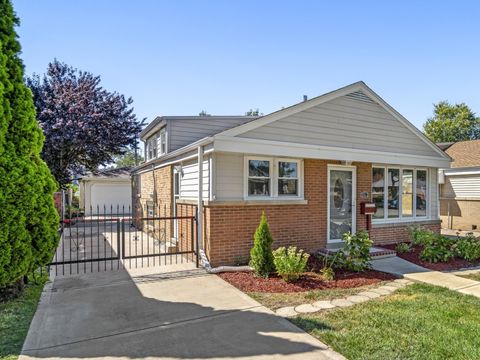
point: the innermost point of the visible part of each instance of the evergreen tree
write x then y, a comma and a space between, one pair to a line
261, 256
28, 220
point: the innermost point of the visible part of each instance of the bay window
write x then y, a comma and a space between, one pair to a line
399, 193
272, 178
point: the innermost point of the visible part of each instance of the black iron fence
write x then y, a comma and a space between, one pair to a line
112, 238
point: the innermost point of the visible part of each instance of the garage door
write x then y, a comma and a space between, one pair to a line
111, 195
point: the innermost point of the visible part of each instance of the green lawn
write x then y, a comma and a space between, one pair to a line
15, 318
278, 300
417, 322
474, 276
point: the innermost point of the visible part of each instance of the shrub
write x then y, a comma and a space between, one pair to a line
437, 248
467, 248
355, 254
420, 236
290, 264
403, 248
28, 219
327, 273
261, 257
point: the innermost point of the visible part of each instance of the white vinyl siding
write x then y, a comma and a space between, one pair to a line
462, 186
345, 122
183, 132
189, 180
433, 188
229, 176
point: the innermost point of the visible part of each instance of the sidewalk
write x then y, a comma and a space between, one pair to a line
407, 270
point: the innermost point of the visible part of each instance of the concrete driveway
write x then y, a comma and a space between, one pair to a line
184, 314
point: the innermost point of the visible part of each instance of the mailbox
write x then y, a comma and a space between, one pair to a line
367, 208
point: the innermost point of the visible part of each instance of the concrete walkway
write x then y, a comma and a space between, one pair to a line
410, 271
178, 315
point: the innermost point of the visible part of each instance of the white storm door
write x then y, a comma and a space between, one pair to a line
341, 202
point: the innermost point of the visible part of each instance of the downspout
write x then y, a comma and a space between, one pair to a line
203, 257
200, 200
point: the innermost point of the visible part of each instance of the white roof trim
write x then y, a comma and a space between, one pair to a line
267, 119
462, 171
279, 148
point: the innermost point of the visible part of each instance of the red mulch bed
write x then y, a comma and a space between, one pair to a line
247, 281
414, 257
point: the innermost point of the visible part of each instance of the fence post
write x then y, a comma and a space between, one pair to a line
196, 241
118, 239
123, 238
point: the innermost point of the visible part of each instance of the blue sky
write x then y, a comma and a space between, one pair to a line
180, 57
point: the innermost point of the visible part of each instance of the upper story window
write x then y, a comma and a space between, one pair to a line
156, 145
272, 178
399, 193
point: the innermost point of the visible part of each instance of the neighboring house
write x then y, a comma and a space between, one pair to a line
460, 188
107, 191
308, 166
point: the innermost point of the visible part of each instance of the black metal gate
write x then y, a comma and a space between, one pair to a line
111, 241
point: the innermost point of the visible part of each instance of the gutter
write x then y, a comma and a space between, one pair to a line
160, 162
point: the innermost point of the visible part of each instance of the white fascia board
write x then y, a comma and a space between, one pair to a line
304, 151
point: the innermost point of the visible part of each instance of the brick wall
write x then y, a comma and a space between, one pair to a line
394, 233
155, 189
230, 229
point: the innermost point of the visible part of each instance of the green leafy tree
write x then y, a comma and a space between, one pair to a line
261, 256
28, 220
128, 159
253, 112
451, 123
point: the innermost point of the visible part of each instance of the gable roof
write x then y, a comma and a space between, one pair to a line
465, 153
358, 90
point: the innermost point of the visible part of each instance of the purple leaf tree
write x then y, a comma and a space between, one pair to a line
85, 126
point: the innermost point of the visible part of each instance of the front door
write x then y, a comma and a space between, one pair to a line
341, 201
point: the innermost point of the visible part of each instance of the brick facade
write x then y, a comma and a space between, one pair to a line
152, 192
394, 233
229, 228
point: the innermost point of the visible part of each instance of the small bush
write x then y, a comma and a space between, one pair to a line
328, 273
420, 236
403, 248
355, 254
290, 264
261, 257
437, 248
467, 248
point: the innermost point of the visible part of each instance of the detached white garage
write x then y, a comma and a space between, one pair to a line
108, 190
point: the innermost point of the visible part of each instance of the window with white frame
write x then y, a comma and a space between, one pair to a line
287, 178
259, 180
156, 145
163, 141
272, 178
399, 193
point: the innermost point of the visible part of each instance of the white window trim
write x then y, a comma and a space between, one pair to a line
401, 218
273, 179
